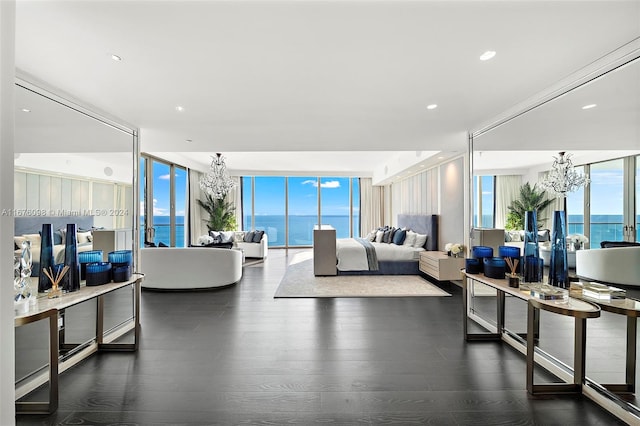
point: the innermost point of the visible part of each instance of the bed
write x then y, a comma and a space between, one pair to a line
31, 227
353, 256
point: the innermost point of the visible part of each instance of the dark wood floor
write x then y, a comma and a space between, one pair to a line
238, 356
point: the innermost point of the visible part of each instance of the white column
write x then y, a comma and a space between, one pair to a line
7, 84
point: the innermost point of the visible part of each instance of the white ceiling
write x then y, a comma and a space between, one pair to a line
262, 79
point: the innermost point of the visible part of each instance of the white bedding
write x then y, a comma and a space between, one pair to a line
351, 255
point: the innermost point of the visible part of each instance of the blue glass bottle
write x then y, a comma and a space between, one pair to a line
558, 265
46, 257
71, 280
532, 265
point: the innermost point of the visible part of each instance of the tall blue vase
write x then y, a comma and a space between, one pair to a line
71, 280
558, 266
46, 257
532, 263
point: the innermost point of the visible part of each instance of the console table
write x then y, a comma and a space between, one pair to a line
579, 309
53, 311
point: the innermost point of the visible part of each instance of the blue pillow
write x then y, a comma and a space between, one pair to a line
399, 236
248, 237
257, 236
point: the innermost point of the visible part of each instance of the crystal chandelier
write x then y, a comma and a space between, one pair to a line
563, 178
217, 182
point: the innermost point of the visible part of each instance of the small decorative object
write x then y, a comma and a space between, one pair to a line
454, 249
472, 266
513, 253
547, 292
514, 280
494, 267
480, 253
576, 241
72, 280
532, 261
88, 257
22, 293
121, 261
98, 273
46, 257
55, 278
558, 265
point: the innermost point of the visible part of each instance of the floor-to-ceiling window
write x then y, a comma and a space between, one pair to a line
163, 189
637, 186
335, 204
286, 208
302, 197
269, 213
606, 202
484, 203
575, 208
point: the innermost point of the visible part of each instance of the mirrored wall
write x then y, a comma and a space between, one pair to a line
597, 121
72, 165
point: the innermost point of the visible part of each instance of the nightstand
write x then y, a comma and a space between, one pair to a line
440, 266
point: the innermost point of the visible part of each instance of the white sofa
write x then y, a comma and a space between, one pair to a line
177, 268
619, 265
258, 250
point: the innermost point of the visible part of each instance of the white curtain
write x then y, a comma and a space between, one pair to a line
196, 223
507, 190
234, 197
371, 206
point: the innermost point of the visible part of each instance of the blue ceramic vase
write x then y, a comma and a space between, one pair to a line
532, 262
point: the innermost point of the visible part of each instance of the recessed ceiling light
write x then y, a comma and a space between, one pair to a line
421, 165
432, 106
116, 58
179, 108
487, 55
441, 158
189, 140
26, 110
589, 106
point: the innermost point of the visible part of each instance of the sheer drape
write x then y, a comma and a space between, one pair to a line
235, 198
196, 223
371, 206
507, 190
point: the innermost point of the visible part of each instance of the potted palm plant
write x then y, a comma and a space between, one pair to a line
221, 213
529, 199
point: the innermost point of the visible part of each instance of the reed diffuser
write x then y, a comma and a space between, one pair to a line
514, 280
55, 281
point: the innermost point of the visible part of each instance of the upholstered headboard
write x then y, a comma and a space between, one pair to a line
422, 224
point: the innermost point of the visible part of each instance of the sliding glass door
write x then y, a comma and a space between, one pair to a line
606, 202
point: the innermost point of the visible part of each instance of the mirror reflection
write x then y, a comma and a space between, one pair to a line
70, 168
599, 125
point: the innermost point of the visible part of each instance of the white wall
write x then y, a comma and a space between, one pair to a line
438, 190
7, 77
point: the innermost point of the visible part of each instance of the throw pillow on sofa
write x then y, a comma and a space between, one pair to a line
257, 236
248, 236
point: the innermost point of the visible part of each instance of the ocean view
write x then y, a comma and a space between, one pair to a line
603, 228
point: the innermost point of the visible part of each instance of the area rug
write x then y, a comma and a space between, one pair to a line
299, 281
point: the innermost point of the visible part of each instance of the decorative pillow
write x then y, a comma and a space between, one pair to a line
386, 236
421, 240
83, 237
515, 236
205, 239
544, 235
63, 234
34, 238
379, 235
248, 236
371, 236
399, 237
257, 236
238, 236
227, 236
393, 232
410, 239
